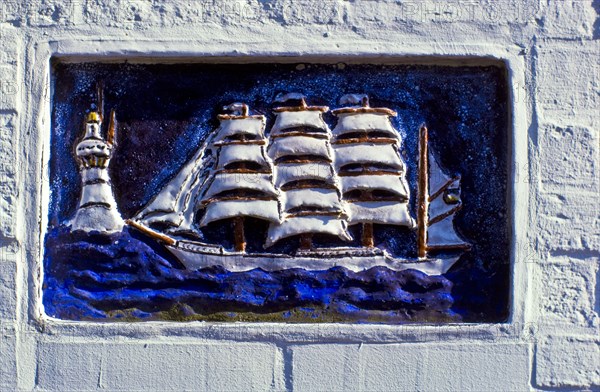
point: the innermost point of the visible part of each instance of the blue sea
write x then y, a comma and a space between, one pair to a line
126, 276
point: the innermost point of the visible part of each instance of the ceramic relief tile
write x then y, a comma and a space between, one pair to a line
278, 192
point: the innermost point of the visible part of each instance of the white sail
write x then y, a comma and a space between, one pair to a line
437, 178
382, 212
289, 172
391, 183
298, 146
305, 209
438, 205
192, 201
171, 203
239, 138
262, 209
444, 202
223, 182
233, 153
364, 122
367, 153
324, 199
376, 165
308, 224
300, 118
252, 127
443, 235
246, 193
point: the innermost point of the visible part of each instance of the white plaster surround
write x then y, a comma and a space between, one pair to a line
549, 342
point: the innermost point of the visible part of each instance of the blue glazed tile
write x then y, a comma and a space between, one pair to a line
166, 112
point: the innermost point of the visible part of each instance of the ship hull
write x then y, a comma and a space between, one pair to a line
200, 256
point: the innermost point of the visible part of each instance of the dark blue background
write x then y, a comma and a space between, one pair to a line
165, 112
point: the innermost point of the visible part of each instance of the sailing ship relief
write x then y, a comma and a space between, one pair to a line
309, 183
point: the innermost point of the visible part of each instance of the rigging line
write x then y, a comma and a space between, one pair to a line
242, 142
444, 215
443, 188
234, 198
315, 135
301, 109
453, 246
314, 213
381, 140
370, 172
387, 111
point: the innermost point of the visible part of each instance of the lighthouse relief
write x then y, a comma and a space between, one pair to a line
278, 192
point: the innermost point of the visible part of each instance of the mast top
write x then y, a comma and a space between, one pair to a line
360, 104
238, 111
355, 99
301, 106
361, 117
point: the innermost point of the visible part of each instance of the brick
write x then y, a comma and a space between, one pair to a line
567, 295
472, 367
138, 14
225, 13
7, 175
233, 366
8, 286
149, 371
159, 367
245, 367
569, 158
386, 368
11, 12
369, 13
144, 14
309, 12
569, 18
568, 82
8, 126
9, 46
568, 223
10, 89
435, 366
456, 16
69, 367
8, 360
46, 13
333, 367
7, 214
565, 362
7, 207
99, 13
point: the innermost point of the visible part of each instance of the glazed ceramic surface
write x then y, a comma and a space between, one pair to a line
278, 192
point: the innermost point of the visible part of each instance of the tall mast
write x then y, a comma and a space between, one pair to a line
423, 190
369, 165
443, 202
367, 238
240, 184
300, 148
100, 98
438, 202
111, 133
239, 237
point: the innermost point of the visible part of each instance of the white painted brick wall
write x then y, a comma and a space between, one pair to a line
8, 364
568, 362
401, 367
65, 366
553, 51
